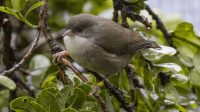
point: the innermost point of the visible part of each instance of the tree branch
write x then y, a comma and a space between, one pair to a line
126, 9
53, 45
117, 93
161, 26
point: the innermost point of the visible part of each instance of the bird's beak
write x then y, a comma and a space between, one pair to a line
68, 33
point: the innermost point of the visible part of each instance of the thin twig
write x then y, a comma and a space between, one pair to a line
74, 69
27, 72
161, 26
34, 45
117, 93
131, 75
126, 9
103, 104
42, 41
53, 45
81, 76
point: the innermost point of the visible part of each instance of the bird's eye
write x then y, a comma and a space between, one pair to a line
80, 30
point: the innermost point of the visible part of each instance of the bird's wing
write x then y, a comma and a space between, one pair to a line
118, 40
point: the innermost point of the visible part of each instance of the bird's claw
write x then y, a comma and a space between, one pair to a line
57, 57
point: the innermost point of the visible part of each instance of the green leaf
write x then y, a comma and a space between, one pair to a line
39, 61
194, 77
170, 108
107, 98
4, 97
156, 54
26, 104
197, 92
51, 78
181, 108
172, 66
132, 1
3, 9
22, 4
84, 110
51, 100
69, 110
7, 82
39, 64
185, 30
196, 60
76, 100
77, 81
33, 7
18, 4
65, 92
70, 83
148, 80
9, 11
177, 79
187, 61
186, 97
86, 88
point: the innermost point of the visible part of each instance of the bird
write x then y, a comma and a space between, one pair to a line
101, 45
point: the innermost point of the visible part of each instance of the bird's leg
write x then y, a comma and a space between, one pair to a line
95, 88
57, 57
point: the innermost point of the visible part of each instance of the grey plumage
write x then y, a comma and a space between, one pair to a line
102, 45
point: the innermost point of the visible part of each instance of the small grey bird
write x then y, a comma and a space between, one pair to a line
101, 45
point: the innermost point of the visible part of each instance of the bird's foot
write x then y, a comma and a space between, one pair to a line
57, 57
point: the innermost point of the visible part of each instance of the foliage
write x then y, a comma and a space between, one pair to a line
181, 93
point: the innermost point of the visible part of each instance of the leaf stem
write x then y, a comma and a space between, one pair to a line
27, 22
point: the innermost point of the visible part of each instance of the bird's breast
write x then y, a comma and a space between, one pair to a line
93, 57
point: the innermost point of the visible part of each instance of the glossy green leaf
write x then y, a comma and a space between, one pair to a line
26, 104
4, 97
65, 91
51, 78
70, 83
186, 97
155, 54
177, 79
185, 30
172, 66
184, 47
148, 83
172, 96
194, 77
86, 88
107, 98
197, 92
33, 7
76, 81
170, 108
7, 82
9, 11
51, 100
196, 60
187, 61
18, 4
22, 4
39, 65
39, 61
69, 110
181, 108
76, 100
